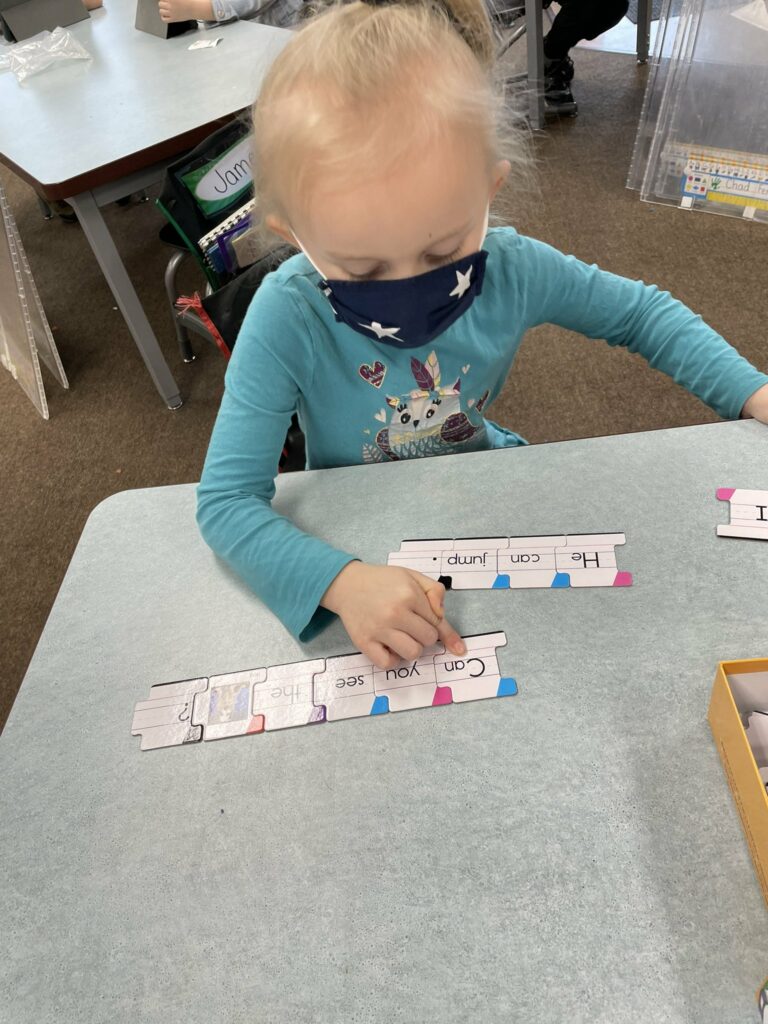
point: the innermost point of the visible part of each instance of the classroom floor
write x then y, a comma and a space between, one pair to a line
111, 431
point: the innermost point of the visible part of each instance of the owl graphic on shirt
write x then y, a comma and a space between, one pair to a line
427, 421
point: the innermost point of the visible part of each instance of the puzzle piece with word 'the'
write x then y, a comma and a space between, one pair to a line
322, 690
749, 513
512, 563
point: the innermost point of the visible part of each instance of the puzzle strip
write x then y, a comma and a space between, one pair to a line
312, 692
516, 563
749, 513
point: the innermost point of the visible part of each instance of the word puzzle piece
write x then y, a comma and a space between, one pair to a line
224, 709
513, 563
749, 513
309, 692
165, 720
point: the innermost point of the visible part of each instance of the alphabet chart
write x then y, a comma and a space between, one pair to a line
310, 692
512, 563
749, 513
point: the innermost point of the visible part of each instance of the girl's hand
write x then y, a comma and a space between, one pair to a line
757, 405
390, 612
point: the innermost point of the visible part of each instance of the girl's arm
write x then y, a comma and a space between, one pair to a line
229, 10
562, 290
287, 568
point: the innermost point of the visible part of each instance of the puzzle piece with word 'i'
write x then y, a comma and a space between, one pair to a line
512, 563
749, 513
322, 690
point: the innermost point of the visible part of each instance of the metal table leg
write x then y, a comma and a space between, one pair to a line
535, 44
114, 271
643, 30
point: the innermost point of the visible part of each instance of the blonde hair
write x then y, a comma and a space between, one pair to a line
359, 86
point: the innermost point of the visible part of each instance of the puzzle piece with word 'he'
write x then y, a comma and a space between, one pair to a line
749, 513
512, 563
323, 690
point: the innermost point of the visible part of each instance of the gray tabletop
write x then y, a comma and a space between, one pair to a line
136, 92
569, 854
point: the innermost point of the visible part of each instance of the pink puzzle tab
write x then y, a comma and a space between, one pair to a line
725, 493
623, 579
443, 695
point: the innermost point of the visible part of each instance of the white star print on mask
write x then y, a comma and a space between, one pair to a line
382, 332
462, 283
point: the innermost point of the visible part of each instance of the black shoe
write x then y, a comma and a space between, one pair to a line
558, 98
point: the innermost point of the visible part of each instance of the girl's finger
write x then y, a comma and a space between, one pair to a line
451, 638
421, 629
401, 644
380, 655
434, 593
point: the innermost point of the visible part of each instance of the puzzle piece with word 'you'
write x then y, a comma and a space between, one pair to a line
749, 513
512, 563
322, 690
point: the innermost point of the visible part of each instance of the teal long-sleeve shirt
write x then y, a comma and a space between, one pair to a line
361, 401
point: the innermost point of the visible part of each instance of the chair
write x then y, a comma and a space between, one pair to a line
201, 190
511, 20
218, 316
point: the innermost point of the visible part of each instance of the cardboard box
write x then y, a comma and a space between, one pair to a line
741, 688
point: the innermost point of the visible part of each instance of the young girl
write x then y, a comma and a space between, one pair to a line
393, 331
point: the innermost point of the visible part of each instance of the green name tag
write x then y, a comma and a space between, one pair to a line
217, 184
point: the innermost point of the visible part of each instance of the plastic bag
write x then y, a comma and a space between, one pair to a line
44, 51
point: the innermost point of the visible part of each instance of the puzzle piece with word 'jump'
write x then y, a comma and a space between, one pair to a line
512, 563
749, 513
322, 690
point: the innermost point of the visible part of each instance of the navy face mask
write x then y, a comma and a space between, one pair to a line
410, 311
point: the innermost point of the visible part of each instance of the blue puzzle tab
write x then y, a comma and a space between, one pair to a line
501, 582
561, 581
507, 687
380, 705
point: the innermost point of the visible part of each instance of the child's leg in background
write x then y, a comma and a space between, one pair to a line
576, 20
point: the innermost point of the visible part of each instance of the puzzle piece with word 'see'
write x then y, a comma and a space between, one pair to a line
512, 563
749, 513
322, 690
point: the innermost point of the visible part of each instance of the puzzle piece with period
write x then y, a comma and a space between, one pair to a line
512, 563
749, 513
322, 690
